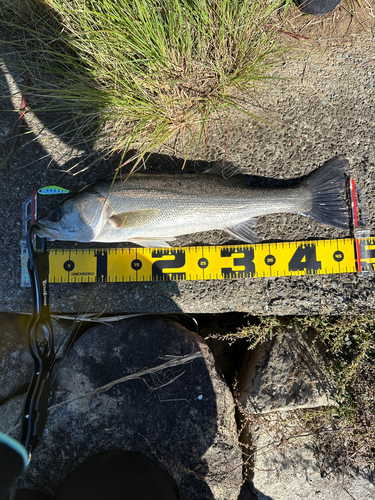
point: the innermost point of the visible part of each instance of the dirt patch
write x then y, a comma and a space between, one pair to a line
331, 30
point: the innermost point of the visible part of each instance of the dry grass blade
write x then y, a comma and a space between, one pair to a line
173, 362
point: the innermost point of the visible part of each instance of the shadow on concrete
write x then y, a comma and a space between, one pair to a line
50, 74
249, 492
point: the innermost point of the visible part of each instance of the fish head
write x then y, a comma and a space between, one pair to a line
81, 218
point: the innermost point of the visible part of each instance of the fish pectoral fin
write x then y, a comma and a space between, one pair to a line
243, 231
151, 242
137, 218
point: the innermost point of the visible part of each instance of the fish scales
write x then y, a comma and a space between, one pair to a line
189, 204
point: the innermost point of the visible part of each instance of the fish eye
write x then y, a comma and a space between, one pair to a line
55, 214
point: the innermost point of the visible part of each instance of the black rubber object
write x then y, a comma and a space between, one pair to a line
317, 7
119, 475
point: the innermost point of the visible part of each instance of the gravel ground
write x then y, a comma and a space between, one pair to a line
323, 107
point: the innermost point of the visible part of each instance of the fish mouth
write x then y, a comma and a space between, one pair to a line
52, 232
48, 232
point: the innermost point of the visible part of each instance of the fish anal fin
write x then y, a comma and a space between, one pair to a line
244, 231
151, 242
137, 218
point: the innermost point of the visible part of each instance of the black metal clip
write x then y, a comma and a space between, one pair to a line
41, 346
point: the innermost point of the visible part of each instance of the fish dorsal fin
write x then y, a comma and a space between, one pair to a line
137, 218
227, 171
244, 231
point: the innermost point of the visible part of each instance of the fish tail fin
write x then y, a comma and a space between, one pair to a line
328, 186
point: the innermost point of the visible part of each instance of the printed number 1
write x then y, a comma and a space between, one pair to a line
101, 265
304, 258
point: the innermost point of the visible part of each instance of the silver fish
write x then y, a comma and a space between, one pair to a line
153, 209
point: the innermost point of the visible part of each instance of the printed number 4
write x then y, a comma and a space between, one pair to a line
304, 258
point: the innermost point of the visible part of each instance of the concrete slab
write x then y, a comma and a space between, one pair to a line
289, 470
326, 108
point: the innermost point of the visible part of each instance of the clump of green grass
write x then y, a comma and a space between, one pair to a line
137, 72
345, 434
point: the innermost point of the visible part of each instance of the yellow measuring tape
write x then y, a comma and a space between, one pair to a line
263, 260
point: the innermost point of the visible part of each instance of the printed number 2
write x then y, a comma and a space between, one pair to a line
304, 258
177, 260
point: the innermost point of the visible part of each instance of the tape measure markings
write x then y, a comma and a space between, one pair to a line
202, 263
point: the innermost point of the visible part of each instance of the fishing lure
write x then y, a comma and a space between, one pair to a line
53, 190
